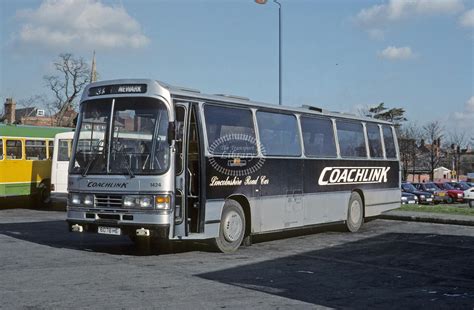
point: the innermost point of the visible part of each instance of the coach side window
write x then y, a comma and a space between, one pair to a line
318, 137
389, 142
278, 134
230, 130
375, 142
35, 150
14, 150
1, 149
351, 138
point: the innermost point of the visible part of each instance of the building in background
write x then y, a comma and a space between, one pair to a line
34, 116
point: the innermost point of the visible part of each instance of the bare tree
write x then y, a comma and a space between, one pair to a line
73, 75
409, 137
456, 142
433, 132
34, 101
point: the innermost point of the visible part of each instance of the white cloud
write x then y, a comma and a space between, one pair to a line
467, 19
465, 118
376, 34
84, 24
396, 53
397, 9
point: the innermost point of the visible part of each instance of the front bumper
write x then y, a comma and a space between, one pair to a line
158, 222
157, 231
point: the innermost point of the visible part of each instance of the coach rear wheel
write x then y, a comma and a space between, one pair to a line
355, 213
471, 204
232, 227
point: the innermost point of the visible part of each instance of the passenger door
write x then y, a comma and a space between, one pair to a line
188, 162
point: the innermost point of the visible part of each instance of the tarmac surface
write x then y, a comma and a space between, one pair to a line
388, 264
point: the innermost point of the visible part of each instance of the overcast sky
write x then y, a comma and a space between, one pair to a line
339, 55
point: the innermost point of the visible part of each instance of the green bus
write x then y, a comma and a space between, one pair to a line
25, 161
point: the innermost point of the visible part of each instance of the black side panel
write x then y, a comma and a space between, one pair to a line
225, 176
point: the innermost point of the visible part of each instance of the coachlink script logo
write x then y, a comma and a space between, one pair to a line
107, 184
353, 175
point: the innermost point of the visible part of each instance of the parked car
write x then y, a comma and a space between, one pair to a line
463, 186
455, 194
423, 197
439, 194
469, 197
409, 198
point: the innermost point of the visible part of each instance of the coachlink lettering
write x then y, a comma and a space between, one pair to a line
107, 184
353, 175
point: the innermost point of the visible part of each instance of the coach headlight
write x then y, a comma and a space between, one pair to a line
75, 199
88, 200
129, 201
162, 202
145, 201
422, 196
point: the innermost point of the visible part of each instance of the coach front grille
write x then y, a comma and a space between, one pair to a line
108, 201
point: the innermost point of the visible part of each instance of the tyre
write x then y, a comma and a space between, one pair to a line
43, 198
355, 213
471, 203
232, 227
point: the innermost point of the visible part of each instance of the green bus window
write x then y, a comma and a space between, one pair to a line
35, 150
14, 149
50, 149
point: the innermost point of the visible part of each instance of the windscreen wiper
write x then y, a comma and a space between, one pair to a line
129, 169
127, 165
89, 164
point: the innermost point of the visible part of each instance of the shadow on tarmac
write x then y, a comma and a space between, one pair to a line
26, 202
56, 234
392, 270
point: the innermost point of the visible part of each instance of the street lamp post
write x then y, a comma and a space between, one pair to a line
279, 45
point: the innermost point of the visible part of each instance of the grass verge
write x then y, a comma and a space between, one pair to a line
460, 209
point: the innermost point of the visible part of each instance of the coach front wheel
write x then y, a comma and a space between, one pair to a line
232, 227
355, 213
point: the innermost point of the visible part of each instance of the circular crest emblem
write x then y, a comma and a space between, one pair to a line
236, 155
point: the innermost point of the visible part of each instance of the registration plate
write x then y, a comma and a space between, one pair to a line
109, 230
429, 199
441, 194
411, 201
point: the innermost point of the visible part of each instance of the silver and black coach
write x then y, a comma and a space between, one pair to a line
151, 160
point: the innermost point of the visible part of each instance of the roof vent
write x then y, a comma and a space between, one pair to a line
191, 90
182, 88
233, 97
312, 108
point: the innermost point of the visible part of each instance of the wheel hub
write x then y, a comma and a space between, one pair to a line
232, 226
355, 211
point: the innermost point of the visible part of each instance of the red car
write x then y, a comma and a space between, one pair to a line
455, 194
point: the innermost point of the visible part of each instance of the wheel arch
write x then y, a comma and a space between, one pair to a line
362, 196
245, 204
